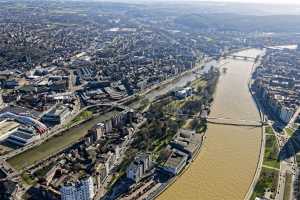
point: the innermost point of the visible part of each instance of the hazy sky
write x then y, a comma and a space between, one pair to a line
263, 1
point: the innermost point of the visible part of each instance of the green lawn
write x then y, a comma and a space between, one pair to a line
267, 181
271, 152
269, 130
81, 117
27, 179
289, 131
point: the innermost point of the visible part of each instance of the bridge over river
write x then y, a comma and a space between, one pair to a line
230, 155
234, 122
224, 120
239, 57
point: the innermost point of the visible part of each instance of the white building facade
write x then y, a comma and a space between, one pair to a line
82, 190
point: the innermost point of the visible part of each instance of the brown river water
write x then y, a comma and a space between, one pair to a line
227, 162
226, 165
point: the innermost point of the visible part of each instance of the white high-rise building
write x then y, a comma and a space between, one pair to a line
86, 189
68, 192
82, 190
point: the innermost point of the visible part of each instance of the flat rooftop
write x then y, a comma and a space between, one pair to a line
175, 159
189, 140
7, 126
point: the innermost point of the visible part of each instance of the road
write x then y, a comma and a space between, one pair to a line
296, 114
286, 166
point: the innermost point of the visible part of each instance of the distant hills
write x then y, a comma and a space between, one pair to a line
246, 23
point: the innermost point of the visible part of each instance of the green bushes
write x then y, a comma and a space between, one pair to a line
267, 181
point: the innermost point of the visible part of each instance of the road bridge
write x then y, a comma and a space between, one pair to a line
113, 104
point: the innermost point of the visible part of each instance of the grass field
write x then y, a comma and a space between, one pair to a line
268, 181
269, 130
271, 152
85, 115
289, 131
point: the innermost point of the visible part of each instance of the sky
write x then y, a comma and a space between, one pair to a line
261, 1
240, 1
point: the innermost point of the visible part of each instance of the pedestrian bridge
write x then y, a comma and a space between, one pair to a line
227, 121
238, 57
232, 122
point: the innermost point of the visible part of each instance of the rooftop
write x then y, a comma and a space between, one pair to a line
7, 126
175, 159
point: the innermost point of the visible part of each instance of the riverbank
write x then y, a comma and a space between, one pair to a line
165, 186
195, 84
267, 174
18, 153
228, 160
167, 112
172, 181
54, 144
263, 139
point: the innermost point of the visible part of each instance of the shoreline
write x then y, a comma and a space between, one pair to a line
189, 163
261, 154
262, 140
187, 166
162, 84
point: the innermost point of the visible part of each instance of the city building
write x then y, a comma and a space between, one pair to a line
176, 162
139, 167
23, 136
57, 115
108, 126
7, 127
183, 93
25, 120
187, 141
81, 190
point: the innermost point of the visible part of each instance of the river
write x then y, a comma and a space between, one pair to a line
72, 135
226, 165
56, 143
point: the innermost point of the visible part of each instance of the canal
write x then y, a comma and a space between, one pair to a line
226, 165
56, 143
227, 162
